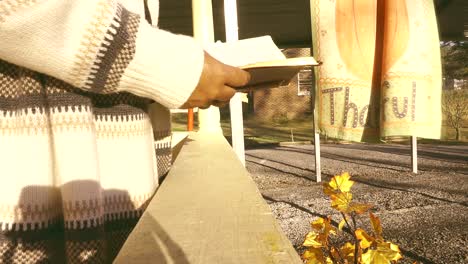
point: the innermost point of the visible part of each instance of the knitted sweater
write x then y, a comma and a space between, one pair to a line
77, 160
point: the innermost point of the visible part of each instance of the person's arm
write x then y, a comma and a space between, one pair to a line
99, 46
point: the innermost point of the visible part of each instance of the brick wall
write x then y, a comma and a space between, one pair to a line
283, 102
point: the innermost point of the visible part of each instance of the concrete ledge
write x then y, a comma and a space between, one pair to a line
177, 141
208, 210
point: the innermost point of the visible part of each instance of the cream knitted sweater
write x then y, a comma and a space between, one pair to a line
71, 41
77, 162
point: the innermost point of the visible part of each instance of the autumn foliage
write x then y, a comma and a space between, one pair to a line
366, 247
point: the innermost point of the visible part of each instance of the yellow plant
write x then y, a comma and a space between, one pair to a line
366, 248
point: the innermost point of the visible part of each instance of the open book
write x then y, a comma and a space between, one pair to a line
267, 65
275, 73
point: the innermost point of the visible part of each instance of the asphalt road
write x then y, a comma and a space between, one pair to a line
426, 214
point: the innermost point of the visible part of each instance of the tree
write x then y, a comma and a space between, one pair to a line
455, 109
454, 60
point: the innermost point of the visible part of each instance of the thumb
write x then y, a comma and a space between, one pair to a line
236, 77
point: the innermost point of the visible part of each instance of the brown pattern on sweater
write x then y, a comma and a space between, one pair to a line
22, 89
163, 155
75, 241
55, 245
19, 88
106, 53
67, 95
27, 252
118, 54
91, 41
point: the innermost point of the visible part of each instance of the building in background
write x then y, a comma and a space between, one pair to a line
285, 102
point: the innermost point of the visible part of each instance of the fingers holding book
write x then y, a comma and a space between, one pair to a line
216, 84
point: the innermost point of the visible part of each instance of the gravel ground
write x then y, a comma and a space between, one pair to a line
426, 214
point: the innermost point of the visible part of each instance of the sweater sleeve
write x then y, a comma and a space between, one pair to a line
99, 46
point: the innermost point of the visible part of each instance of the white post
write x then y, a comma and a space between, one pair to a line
230, 20
318, 169
235, 105
202, 10
414, 153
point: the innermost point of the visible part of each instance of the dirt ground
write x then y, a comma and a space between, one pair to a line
426, 214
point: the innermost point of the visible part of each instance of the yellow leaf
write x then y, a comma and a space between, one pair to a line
318, 224
347, 250
313, 256
329, 228
375, 222
341, 224
369, 258
365, 241
359, 208
395, 248
341, 182
383, 254
327, 189
324, 227
340, 201
312, 240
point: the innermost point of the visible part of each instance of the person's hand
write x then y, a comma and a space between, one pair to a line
215, 84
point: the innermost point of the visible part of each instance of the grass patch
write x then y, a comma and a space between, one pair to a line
260, 132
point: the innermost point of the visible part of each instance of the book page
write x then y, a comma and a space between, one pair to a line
290, 62
277, 73
246, 51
